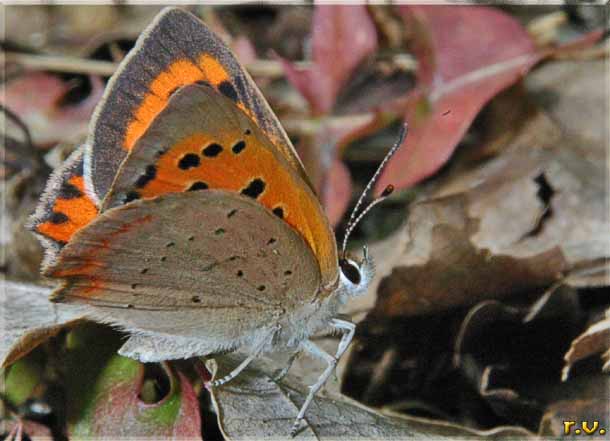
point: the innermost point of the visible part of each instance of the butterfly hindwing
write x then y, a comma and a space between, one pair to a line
176, 50
64, 208
186, 261
201, 141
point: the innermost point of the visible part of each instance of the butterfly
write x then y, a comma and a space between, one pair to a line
187, 218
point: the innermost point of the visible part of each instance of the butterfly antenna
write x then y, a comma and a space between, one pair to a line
355, 218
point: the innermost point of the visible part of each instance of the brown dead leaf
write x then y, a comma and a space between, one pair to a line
252, 406
515, 224
29, 319
571, 94
512, 355
578, 411
594, 340
458, 273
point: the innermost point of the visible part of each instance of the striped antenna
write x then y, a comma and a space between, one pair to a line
355, 218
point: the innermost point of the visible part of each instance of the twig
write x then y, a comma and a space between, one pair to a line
61, 64
259, 68
19, 122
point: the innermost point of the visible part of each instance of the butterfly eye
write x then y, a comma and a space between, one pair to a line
350, 270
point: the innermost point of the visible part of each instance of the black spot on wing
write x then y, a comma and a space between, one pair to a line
255, 188
190, 160
212, 150
238, 147
69, 191
131, 196
149, 175
199, 185
279, 212
227, 89
58, 218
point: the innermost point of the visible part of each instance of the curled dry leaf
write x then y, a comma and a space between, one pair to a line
29, 319
508, 353
252, 406
595, 340
342, 37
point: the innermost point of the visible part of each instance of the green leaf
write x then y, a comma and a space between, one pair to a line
104, 393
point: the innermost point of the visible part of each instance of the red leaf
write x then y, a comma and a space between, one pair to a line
336, 184
337, 191
467, 54
342, 37
37, 99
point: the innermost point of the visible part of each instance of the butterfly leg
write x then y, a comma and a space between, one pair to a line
244, 364
314, 388
348, 329
280, 374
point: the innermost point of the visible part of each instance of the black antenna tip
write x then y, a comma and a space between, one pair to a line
387, 191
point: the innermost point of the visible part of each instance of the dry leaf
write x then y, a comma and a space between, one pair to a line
594, 340
514, 225
29, 319
252, 406
579, 411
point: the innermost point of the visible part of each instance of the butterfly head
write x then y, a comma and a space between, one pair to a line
356, 274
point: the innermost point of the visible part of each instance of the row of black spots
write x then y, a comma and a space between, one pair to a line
149, 174
215, 149
255, 188
192, 160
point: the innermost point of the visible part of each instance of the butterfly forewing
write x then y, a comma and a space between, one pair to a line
202, 141
176, 50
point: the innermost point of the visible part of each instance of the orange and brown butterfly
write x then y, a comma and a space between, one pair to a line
188, 220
